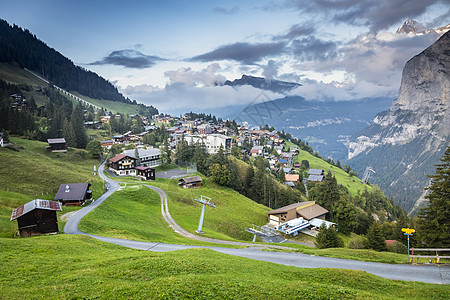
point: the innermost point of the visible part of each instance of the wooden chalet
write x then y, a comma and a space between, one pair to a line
190, 182
73, 194
37, 217
122, 165
57, 145
145, 172
307, 210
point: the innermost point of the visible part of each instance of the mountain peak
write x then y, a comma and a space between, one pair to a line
411, 26
263, 83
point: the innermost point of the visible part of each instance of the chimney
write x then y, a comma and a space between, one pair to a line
67, 188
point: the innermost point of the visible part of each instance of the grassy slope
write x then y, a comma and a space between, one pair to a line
14, 74
233, 212
68, 266
32, 173
354, 184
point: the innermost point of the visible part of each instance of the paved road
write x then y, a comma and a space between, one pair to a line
423, 273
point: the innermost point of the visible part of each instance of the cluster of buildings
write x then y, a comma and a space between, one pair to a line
126, 163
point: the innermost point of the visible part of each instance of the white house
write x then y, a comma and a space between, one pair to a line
148, 157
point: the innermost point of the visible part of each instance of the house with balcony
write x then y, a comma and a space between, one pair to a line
123, 165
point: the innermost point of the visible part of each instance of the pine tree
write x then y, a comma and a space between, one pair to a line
138, 158
434, 220
281, 176
328, 238
375, 239
77, 122
68, 133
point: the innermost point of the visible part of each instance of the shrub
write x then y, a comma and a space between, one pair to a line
399, 247
357, 242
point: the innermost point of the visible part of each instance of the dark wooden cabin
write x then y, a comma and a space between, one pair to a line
37, 217
145, 172
73, 194
190, 182
57, 145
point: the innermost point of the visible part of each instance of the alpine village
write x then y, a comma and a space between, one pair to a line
106, 197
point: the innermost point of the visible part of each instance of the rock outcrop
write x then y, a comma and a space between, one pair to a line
404, 143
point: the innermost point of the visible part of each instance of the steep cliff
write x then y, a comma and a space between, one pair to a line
404, 143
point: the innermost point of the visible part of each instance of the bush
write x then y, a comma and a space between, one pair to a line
328, 238
357, 242
399, 247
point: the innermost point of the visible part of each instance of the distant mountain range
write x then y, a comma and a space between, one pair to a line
273, 85
403, 144
414, 27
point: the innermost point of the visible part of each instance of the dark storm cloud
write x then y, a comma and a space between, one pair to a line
313, 49
245, 53
376, 14
222, 10
297, 31
129, 59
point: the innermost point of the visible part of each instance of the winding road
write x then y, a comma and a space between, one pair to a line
422, 273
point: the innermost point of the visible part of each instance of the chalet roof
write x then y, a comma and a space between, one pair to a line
191, 179
317, 178
282, 161
72, 191
119, 157
315, 172
143, 168
56, 141
287, 208
35, 204
312, 211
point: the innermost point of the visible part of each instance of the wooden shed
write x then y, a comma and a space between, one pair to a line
57, 145
190, 182
37, 217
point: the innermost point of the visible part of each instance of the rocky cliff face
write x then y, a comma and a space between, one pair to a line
404, 143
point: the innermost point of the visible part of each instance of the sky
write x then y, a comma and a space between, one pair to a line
175, 55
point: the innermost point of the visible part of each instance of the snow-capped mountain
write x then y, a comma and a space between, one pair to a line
415, 28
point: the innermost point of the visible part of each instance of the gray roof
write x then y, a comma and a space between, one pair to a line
191, 179
315, 172
56, 141
142, 152
75, 191
317, 178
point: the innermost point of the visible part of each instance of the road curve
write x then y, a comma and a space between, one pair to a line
421, 273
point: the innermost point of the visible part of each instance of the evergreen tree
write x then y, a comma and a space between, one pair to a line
375, 238
345, 216
138, 158
220, 174
201, 157
167, 152
68, 133
281, 176
434, 220
328, 238
235, 179
95, 149
326, 193
77, 122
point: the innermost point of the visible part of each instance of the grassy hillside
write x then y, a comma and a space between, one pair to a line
233, 212
12, 73
30, 172
353, 183
67, 266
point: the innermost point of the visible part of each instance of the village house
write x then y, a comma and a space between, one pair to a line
307, 210
190, 182
105, 119
73, 194
122, 165
37, 217
316, 175
148, 157
93, 124
146, 173
107, 143
292, 178
57, 145
211, 141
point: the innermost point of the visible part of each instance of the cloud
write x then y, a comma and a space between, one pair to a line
313, 49
178, 97
242, 52
221, 10
376, 14
270, 70
129, 59
189, 77
295, 31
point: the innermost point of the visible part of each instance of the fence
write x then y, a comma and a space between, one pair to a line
436, 250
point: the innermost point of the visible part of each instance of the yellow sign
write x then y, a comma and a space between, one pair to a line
408, 230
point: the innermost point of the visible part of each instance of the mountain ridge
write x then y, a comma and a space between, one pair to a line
273, 85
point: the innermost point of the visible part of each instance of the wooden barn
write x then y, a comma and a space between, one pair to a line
190, 182
57, 145
37, 217
73, 194
145, 172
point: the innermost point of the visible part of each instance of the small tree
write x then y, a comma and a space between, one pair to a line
375, 238
138, 158
94, 148
220, 174
328, 238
